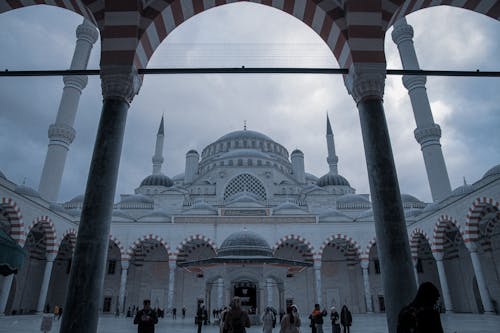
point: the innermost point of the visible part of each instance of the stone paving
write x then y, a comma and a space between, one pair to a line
366, 323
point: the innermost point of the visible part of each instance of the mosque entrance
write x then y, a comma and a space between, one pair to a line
247, 291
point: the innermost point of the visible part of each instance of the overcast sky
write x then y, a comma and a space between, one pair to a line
291, 109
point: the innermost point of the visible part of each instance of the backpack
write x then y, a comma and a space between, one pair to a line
237, 324
407, 320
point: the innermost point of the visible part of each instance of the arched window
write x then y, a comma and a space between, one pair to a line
245, 183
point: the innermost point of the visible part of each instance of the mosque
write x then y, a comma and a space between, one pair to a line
245, 218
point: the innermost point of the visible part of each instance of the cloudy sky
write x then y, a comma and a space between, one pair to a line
291, 109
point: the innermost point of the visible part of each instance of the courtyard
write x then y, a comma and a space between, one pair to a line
366, 323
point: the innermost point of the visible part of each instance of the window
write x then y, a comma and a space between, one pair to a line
111, 266
376, 263
245, 183
420, 267
107, 304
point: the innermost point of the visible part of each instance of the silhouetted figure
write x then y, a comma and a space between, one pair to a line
422, 314
146, 318
236, 319
290, 322
317, 318
335, 319
346, 319
174, 313
200, 316
183, 312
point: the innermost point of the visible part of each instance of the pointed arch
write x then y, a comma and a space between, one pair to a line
415, 237
481, 207
76, 6
306, 248
353, 249
134, 246
48, 231
193, 243
443, 224
13, 213
70, 234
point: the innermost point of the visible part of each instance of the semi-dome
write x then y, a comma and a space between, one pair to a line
157, 180
244, 134
495, 171
244, 244
331, 179
28, 191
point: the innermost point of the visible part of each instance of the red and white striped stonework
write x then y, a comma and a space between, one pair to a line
138, 243
368, 248
353, 249
70, 235
416, 237
444, 222
123, 253
479, 209
13, 213
49, 233
294, 239
196, 237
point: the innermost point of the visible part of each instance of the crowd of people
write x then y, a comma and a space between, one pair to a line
420, 316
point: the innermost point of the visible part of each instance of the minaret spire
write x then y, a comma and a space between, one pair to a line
332, 159
158, 156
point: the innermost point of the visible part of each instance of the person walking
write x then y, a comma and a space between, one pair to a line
317, 318
345, 318
290, 322
146, 319
183, 312
422, 314
174, 313
200, 316
335, 319
237, 319
268, 321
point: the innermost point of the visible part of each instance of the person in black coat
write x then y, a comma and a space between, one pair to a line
422, 314
146, 318
346, 319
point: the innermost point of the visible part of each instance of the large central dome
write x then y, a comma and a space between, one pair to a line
245, 243
244, 134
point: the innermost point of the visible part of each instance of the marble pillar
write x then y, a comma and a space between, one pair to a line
269, 287
6, 285
366, 284
123, 285
317, 281
45, 281
220, 293
172, 265
365, 82
443, 281
481, 282
85, 288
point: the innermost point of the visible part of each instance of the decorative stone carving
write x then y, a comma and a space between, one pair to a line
414, 81
428, 135
87, 31
402, 31
61, 133
366, 81
76, 81
120, 82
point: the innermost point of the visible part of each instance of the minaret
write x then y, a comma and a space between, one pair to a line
62, 133
427, 132
332, 159
158, 156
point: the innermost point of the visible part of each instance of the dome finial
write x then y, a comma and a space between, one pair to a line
244, 125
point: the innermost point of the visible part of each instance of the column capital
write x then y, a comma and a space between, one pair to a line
438, 255
428, 135
75, 81
365, 263
472, 247
366, 81
51, 257
317, 264
402, 31
414, 81
125, 264
122, 82
172, 264
87, 32
62, 133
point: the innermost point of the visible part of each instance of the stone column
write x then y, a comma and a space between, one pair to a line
6, 285
414, 261
85, 287
443, 281
220, 293
481, 282
62, 133
281, 296
269, 285
172, 265
366, 283
45, 282
365, 82
317, 280
123, 285
427, 133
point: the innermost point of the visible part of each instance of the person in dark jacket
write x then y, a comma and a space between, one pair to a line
345, 318
422, 314
335, 319
236, 319
317, 318
146, 318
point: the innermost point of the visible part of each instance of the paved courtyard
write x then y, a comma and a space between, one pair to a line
373, 323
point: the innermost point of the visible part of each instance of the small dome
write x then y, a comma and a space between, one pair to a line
409, 201
245, 243
192, 151
331, 179
28, 191
157, 180
244, 134
297, 151
495, 171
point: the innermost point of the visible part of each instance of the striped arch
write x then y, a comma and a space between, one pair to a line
189, 244
77, 6
49, 232
324, 17
415, 237
402, 8
488, 232
308, 251
480, 208
139, 241
366, 254
353, 252
71, 235
123, 253
196, 237
13, 213
440, 228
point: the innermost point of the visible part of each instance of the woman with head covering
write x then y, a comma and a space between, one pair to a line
268, 321
291, 321
421, 315
335, 319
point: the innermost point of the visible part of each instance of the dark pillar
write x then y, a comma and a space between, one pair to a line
365, 83
84, 297
390, 227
